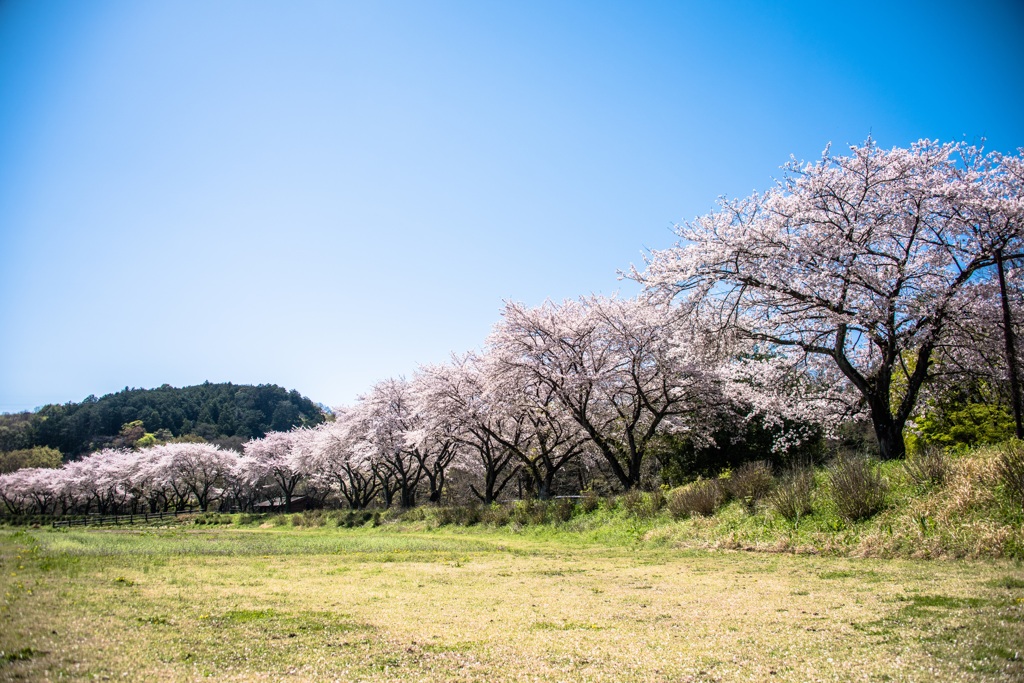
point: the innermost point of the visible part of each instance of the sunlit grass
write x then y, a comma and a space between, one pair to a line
481, 604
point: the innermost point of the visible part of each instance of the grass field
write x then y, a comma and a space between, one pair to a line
378, 604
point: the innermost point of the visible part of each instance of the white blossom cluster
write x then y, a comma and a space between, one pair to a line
878, 263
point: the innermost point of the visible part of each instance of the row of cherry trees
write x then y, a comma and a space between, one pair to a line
589, 384
857, 285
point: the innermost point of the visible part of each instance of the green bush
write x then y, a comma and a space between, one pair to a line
467, 515
212, 518
642, 505
633, 502
563, 509
963, 425
310, 518
589, 501
656, 501
496, 515
530, 511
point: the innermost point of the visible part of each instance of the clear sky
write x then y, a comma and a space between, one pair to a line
324, 194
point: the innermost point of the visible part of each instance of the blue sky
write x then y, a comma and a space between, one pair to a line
324, 194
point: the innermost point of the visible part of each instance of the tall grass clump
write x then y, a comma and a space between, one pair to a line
529, 511
857, 486
792, 497
750, 482
495, 515
563, 509
310, 518
459, 515
927, 469
589, 501
633, 502
642, 505
1010, 471
702, 497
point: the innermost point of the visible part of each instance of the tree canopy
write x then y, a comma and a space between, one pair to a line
215, 412
866, 260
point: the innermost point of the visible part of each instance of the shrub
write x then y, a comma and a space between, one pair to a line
750, 482
530, 511
656, 500
212, 518
354, 518
633, 502
496, 514
1010, 470
643, 505
467, 515
445, 516
928, 468
416, 514
310, 518
462, 515
792, 497
589, 501
702, 497
563, 509
857, 487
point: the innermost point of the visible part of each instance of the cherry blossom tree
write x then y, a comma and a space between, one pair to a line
13, 491
432, 436
198, 469
501, 416
380, 420
73, 491
989, 199
451, 399
340, 456
620, 368
243, 481
394, 439
861, 259
106, 475
276, 456
36, 487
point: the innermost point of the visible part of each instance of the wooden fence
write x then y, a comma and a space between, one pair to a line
117, 520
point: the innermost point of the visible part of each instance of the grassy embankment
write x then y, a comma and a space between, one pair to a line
620, 593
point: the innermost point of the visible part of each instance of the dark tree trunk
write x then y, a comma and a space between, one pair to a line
1011, 348
408, 497
891, 445
545, 485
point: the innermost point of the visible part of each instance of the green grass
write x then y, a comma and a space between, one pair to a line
931, 588
600, 598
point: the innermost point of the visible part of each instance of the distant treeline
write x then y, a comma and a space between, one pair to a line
228, 414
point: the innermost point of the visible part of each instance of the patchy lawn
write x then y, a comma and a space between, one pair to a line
382, 604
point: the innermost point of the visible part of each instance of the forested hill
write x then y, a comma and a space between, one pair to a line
228, 414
